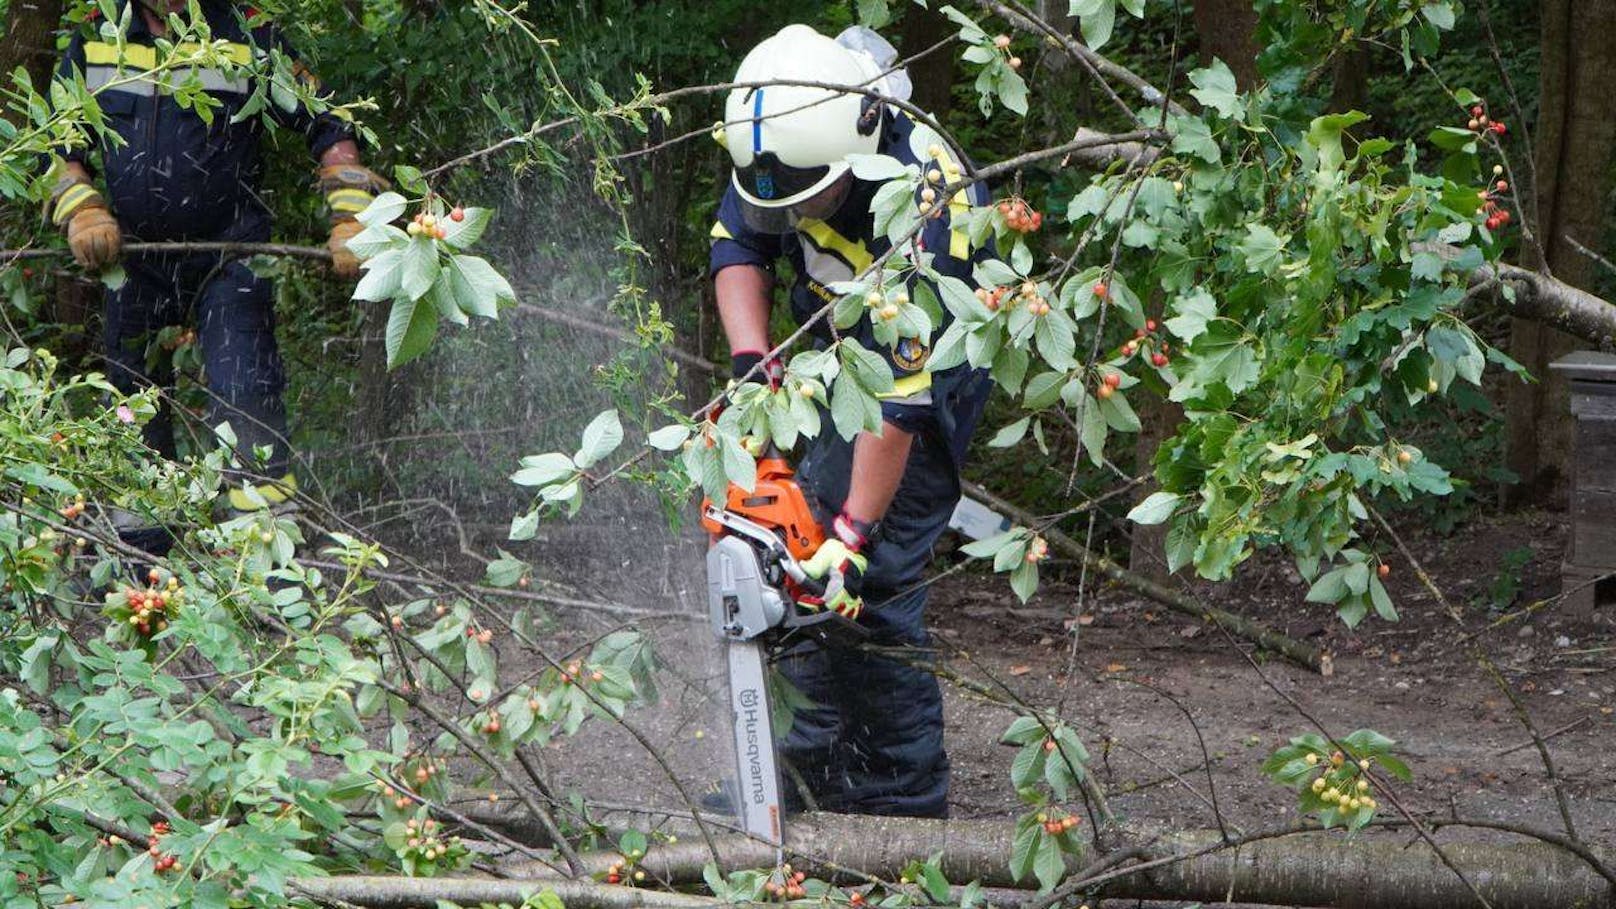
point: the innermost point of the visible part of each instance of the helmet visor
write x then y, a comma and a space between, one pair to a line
818, 203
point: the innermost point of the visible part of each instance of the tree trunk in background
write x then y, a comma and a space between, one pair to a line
1573, 135
932, 75
1226, 29
1349, 88
27, 40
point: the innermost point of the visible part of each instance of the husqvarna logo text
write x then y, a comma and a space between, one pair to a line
749, 700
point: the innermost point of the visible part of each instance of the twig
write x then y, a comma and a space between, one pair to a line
140, 247
1546, 736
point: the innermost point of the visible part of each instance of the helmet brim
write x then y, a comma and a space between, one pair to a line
819, 199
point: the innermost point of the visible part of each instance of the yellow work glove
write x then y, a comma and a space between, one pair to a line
92, 232
349, 189
841, 569
344, 263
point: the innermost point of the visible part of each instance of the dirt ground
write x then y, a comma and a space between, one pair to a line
1410, 680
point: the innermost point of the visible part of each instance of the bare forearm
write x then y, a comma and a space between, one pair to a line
878, 465
743, 293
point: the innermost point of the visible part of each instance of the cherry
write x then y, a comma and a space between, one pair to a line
1158, 359
1113, 379
1104, 391
1100, 290
1150, 325
1383, 570
457, 215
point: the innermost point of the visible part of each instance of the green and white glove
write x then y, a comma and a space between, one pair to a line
841, 569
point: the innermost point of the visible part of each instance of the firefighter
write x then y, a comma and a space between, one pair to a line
170, 175
873, 744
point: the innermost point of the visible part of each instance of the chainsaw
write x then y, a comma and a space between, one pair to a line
755, 587
755, 583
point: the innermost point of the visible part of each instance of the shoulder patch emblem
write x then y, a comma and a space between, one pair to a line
910, 354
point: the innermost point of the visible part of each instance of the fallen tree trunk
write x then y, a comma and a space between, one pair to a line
1240, 626
1289, 869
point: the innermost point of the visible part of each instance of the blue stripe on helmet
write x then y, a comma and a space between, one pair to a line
757, 122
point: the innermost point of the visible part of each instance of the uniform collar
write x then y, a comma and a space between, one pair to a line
216, 14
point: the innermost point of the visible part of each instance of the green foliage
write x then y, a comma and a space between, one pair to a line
153, 694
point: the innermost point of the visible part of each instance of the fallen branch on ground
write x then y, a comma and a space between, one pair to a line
1255, 632
1281, 867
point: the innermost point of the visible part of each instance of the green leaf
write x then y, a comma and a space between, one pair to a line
1381, 600
383, 209
544, 469
601, 437
1156, 508
669, 438
460, 235
1215, 87
1024, 580
1263, 249
1049, 866
878, 168
1195, 310
1099, 18
382, 276
1441, 15
419, 268
411, 326
505, 571
1011, 434
479, 288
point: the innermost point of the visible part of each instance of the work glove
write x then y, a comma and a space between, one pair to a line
349, 189
839, 565
344, 263
92, 232
773, 373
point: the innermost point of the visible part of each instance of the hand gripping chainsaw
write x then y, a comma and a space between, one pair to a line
755, 580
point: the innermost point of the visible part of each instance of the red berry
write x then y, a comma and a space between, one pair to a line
1492, 223
1113, 379
457, 214
1502, 186
1037, 220
1383, 570
1100, 290
1159, 359
613, 878
1503, 215
1476, 111
1499, 128
1150, 325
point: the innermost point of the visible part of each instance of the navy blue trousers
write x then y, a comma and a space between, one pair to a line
873, 744
234, 313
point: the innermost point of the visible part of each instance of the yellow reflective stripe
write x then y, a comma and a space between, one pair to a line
959, 244
349, 199
826, 238
908, 386
143, 56
720, 232
71, 200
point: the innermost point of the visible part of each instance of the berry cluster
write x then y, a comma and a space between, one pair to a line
884, 307
72, 509
1007, 298
1019, 216
183, 339
786, 884
1002, 42
935, 178
1479, 122
1108, 385
482, 637
574, 671
1054, 825
1145, 339
426, 839
160, 860
427, 225
1497, 215
149, 608
1037, 551
1340, 784
624, 870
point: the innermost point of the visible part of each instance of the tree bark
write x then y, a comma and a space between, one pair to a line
1291, 869
1574, 136
27, 42
1227, 29
932, 75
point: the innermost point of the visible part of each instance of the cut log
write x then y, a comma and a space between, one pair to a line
1239, 626
1371, 869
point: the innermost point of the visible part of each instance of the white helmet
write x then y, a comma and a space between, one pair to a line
790, 142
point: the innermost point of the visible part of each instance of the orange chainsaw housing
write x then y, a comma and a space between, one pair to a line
776, 502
